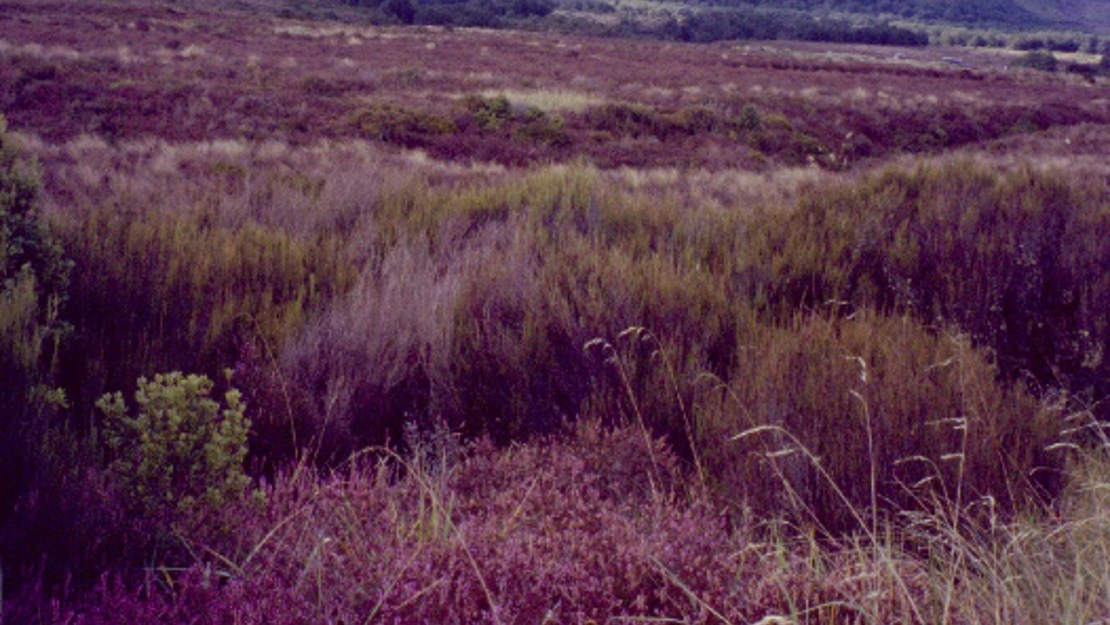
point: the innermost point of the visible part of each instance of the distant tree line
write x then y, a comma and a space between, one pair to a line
698, 25
723, 24
482, 13
980, 13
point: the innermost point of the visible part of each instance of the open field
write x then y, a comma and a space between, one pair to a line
133, 73
512, 327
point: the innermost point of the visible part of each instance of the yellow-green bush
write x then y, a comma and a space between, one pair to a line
180, 452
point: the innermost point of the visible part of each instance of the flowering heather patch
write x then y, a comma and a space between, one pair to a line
555, 532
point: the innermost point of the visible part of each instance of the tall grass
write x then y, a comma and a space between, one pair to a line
1014, 259
158, 292
890, 363
474, 303
826, 417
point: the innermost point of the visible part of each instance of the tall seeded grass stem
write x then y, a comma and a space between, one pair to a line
686, 590
869, 530
613, 358
874, 473
427, 488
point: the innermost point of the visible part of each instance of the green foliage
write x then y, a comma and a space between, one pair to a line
623, 119
400, 10
490, 113
776, 135
1002, 13
1029, 248
34, 275
160, 291
1048, 43
748, 119
485, 13
182, 452
826, 403
529, 124
542, 128
25, 239
395, 124
748, 22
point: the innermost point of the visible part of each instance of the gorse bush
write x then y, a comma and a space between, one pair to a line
490, 113
395, 124
180, 452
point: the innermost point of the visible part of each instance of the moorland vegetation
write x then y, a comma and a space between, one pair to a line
349, 331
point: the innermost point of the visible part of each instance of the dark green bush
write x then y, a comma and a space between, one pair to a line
817, 409
543, 129
395, 124
623, 119
400, 10
34, 276
490, 113
160, 291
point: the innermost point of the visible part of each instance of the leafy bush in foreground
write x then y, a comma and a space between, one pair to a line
182, 452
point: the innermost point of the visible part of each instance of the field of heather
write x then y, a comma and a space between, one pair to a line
321, 322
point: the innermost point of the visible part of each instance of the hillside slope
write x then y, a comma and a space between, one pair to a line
1092, 15
1087, 15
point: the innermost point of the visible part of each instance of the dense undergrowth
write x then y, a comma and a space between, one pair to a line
568, 395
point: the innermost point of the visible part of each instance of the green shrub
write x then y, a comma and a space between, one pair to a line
490, 113
692, 120
25, 239
623, 119
543, 129
182, 452
827, 405
1015, 260
400, 10
395, 124
34, 276
748, 119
